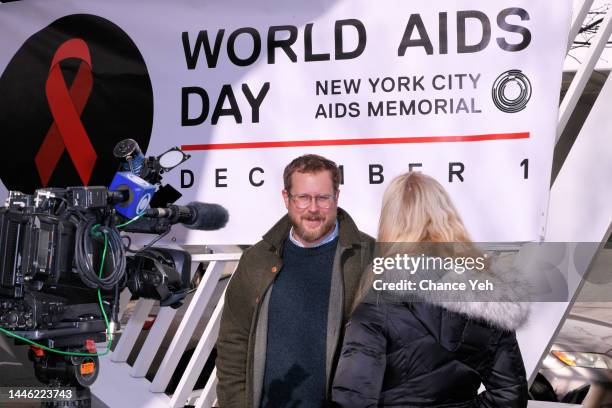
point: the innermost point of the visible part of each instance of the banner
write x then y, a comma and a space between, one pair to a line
466, 92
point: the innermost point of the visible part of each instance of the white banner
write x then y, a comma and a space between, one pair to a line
466, 92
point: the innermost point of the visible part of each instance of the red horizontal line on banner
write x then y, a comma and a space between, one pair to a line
353, 142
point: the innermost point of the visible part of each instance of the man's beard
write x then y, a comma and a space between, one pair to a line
309, 235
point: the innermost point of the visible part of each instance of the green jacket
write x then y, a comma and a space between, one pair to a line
241, 346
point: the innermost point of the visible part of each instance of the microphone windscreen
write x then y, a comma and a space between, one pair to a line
208, 217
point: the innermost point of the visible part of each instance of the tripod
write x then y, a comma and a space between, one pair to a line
71, 374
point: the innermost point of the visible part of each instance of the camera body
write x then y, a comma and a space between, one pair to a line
42, 291
63, 260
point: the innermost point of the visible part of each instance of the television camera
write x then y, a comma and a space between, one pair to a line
65, 258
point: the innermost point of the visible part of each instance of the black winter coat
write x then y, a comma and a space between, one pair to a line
424, 355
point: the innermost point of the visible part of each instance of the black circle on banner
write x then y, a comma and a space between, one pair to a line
119, 103
502, 101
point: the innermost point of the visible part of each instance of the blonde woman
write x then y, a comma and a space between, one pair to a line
430, 348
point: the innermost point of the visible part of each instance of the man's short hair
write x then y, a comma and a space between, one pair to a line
311, 163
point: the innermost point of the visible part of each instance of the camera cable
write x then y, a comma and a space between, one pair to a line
109, 334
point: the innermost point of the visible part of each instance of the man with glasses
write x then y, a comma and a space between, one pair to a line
290, 297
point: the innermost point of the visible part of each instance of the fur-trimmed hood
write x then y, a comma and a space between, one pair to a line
415, 349
504, 304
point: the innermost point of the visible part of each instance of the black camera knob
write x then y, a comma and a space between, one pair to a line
12, 318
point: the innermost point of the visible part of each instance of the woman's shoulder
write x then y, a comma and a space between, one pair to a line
378, 309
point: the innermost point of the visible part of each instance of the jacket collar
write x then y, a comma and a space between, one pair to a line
505, 307
348, 235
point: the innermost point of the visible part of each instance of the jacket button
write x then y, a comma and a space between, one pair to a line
274, 269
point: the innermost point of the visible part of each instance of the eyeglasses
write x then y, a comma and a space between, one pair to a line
302, 201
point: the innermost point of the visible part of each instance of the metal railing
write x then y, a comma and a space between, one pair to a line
121, 384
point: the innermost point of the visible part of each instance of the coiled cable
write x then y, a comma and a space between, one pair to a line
88, 231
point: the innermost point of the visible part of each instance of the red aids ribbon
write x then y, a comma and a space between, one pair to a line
67, 130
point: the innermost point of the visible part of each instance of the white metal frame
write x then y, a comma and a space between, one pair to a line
579, 211
119, 384
586, 69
